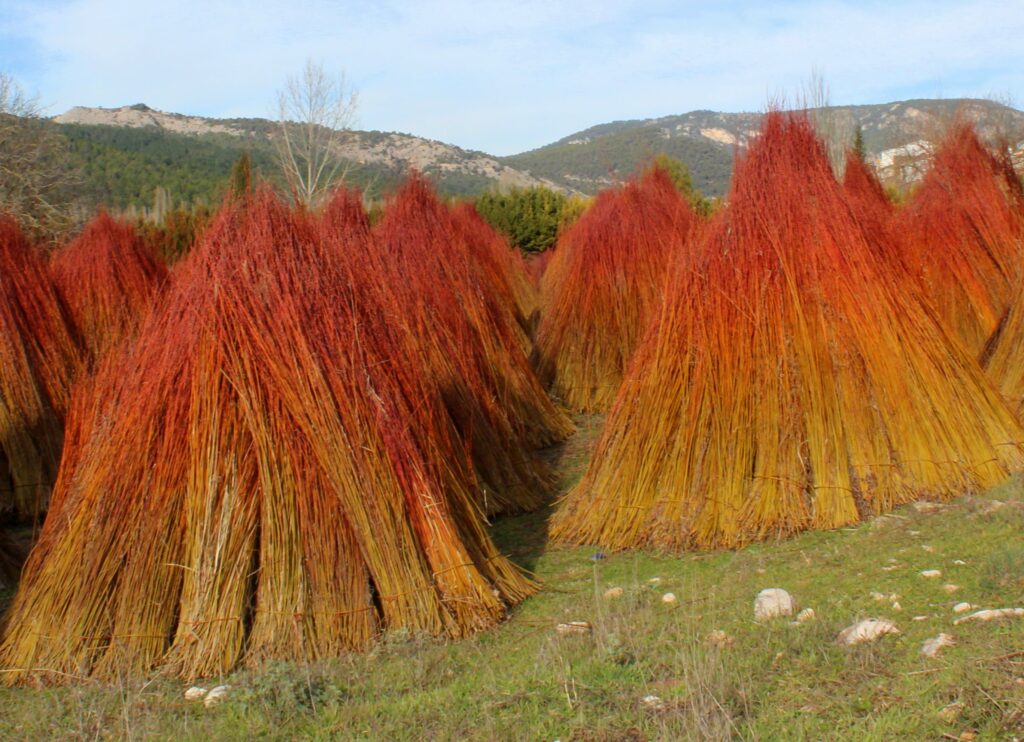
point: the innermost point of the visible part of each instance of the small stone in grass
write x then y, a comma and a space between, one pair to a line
929, 549
992, 615
952, 712
194, 693
807, 614
653, 702
771, 603
962, 607
919, 618
613, 592
720, 639
654, 581
896, 606
574, 627
216, 695
867, 630
959, 561
932, 646
950, 588
931, 573
668, 598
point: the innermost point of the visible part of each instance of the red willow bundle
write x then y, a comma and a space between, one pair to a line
604, 285
538, 264
261, 473
792, 380
507, 269
107, 279
38, 362
467, 339
965, 235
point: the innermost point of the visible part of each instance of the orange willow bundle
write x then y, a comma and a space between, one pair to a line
262, 473
792, 381
107, 279
966, 235
604, 285
38, 360
466, 337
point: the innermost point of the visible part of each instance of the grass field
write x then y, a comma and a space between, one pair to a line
524, 681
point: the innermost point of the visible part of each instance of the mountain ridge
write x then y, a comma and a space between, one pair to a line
897, 135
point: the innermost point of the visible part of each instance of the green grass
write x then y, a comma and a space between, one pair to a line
524, 681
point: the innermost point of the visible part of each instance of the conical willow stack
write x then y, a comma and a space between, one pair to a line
793, 381
39, 359
965, 235
262, 473
604, 284
107, 279
469, 341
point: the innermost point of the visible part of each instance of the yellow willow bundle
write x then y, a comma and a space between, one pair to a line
39, 358
261, 474
792, 381
604, 285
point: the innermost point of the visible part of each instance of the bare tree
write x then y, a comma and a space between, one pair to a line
314, 111
34, 174
836, 127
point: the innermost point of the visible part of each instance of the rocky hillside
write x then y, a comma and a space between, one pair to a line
896, 136
191, 156
127, 152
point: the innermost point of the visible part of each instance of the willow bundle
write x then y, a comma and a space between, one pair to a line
966, 235
261, 473
503, 264
468, 340
107, 279
38, 360
791, 382
604, 285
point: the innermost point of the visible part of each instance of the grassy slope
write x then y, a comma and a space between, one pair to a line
523, 681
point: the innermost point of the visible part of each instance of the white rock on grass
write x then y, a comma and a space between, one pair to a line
807, 614
613, 592
992, 614
931, 647
771, 603
216, 695
574, 627
868, 630
668, 598
931, 573
962, 607
195, 693
960, 562
920, 618
896, 606
654, 581
652, 702
950, 588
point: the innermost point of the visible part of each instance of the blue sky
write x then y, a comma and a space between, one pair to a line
509, 75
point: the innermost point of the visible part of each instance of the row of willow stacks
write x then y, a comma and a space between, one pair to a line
807, 367
292, 455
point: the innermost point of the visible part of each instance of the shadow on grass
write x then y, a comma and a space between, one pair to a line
524, 538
